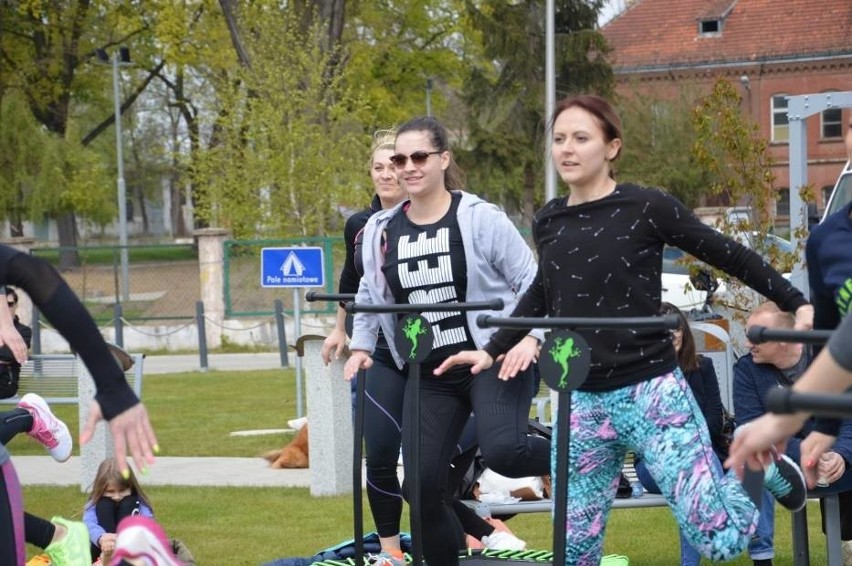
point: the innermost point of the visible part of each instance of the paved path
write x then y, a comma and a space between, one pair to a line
44, 470
215, 362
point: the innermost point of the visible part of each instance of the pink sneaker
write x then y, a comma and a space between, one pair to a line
47, 429
142, 542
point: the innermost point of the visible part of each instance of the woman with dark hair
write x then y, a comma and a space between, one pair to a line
600, 255
442, 245
700, 375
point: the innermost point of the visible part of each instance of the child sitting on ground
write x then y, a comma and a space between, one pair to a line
112, 499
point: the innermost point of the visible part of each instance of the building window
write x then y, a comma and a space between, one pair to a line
780, 122
832, 123
710, 27
782, 205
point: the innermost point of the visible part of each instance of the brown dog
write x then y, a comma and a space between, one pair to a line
293, 455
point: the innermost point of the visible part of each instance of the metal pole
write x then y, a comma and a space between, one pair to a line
202, 334
297, 329
122, 198
428, 97
118, 322
282, 335
550, 99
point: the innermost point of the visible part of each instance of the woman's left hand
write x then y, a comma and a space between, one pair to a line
519, 358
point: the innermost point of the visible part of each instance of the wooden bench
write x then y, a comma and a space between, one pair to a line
55, 376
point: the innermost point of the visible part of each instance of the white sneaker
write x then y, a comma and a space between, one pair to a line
502, 540
297, 424
142, 542
47, 429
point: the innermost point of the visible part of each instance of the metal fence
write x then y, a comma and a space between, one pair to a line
163, 280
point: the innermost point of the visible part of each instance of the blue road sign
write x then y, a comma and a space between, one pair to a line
292, 267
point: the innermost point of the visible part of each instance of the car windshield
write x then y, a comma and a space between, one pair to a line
768, 246
842, 194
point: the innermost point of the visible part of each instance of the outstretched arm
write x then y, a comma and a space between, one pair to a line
114, 400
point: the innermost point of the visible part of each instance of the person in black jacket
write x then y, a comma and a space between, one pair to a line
10, 369
700, 375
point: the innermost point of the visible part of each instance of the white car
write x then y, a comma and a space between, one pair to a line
680, 291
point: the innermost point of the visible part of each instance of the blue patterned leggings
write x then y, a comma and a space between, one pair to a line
661, 420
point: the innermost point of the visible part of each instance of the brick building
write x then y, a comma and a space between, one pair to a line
771, 48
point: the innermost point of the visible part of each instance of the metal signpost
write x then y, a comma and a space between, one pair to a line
294, 267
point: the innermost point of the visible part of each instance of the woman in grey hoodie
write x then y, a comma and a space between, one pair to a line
443, 245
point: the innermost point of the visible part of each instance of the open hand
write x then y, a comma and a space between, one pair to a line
131, 432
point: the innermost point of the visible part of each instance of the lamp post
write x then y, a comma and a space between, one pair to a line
120, 57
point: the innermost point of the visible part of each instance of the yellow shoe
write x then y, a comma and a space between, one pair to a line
39, 560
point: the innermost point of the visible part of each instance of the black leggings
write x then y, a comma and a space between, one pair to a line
12, 548
502, 417
110, 513
384, 390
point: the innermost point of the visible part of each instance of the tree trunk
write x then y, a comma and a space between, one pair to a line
69, 257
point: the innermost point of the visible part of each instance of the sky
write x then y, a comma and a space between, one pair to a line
610, 9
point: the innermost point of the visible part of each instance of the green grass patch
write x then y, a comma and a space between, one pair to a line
193, 415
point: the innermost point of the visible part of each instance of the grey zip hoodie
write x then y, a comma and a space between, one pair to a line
500, 264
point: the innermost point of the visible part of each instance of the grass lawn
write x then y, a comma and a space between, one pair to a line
193, 415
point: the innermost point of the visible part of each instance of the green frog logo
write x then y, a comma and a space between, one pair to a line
413, 329
562, 352
844, 297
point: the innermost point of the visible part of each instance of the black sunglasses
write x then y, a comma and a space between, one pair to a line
418, 158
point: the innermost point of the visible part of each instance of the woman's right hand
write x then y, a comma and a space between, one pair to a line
335, 341
478, 360
360, 359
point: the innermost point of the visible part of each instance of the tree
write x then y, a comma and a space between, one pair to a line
288, 134
729, 147
506, 97
42, 48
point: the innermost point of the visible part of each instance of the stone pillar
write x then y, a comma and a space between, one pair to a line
25, 305
211, 264
329, 400
101, 445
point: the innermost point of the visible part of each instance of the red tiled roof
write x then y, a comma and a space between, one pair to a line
665, 32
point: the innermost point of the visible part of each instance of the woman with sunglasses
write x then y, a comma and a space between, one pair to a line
384, 383
10, 368
600, 255
443, 245
700, 375
114, 401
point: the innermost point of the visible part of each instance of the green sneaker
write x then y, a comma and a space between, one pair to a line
72, 549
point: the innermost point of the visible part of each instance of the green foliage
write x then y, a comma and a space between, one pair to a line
729, 146
289, 137
656, 131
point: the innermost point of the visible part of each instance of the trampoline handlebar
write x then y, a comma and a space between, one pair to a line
669, 321
785, 401
494, 305
312, 296
760, 334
